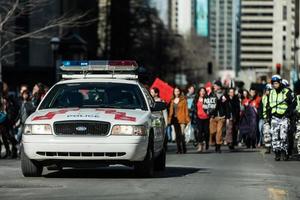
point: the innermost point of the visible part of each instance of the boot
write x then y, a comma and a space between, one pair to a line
199, 147
277, 155
203, 148
284, 155
268, 150
7, 154
206, 146
218, 148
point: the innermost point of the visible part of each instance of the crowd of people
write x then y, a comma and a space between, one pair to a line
233, 117
14, 110
217, 116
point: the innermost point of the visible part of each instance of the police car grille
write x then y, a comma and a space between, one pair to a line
82, 128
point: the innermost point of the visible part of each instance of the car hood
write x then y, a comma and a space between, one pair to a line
114, 116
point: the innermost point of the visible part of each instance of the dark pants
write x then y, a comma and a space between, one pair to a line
8, 137
202, 131
180, 137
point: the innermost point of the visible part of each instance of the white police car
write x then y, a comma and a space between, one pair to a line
100, 116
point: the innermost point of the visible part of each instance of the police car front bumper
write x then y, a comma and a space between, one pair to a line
50, 147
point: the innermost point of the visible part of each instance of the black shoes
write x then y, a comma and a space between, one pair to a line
284, 155
218, 148
277, 155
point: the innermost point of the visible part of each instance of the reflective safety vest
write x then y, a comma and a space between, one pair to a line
298, 103
277, 101
265, 106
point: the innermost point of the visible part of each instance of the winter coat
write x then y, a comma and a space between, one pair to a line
233, 108
182, 111
194, 110
218, 102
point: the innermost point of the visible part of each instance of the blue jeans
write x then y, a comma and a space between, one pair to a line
261, 133
169, 133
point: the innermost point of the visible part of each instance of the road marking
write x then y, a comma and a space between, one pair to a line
277, 194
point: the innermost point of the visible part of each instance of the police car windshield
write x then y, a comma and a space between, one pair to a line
95, 95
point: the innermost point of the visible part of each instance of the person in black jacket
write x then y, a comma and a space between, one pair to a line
232, 118
217, 116
10, 107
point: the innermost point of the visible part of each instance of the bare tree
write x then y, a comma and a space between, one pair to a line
11, 10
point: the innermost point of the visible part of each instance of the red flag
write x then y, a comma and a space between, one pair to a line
165, 90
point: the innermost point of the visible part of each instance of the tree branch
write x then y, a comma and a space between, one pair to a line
9, 14
63, 21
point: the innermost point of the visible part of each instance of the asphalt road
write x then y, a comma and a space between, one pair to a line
245, 174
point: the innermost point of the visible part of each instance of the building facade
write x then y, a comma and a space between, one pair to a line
267, 39
223, 33
200, 17
162, 8
180, 17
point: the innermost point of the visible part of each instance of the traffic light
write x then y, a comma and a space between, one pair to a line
209, 68
278, 68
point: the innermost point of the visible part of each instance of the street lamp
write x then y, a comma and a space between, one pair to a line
55, 43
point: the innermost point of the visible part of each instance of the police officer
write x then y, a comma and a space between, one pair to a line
293, 119
266, 112
280, 102
297, 135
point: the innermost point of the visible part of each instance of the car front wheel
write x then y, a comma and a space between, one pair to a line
145, 168
30, 168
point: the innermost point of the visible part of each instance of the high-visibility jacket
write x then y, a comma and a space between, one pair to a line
278, 102
265, 105
298, 104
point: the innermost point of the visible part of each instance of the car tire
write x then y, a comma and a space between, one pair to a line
30, 168
160, 161
145, 168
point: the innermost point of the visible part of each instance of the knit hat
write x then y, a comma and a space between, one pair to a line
218, 83
207, 85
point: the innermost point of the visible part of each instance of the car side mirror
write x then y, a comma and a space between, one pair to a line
159, 106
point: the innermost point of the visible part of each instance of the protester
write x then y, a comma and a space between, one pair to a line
26, 109
252, 110
217, 116
11, 109
232, 118
179, 117
190, 95
200, 120
155, 94
38, 93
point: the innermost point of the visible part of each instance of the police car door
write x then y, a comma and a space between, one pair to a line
157, 123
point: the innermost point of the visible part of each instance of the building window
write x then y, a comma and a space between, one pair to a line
284, 28
284, 13
284, 38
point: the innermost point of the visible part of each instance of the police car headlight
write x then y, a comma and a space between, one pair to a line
129, 130
37, 129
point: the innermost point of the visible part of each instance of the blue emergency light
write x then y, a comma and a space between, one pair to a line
73, 63
99, 65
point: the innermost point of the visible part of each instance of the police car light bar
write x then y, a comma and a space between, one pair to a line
102, 76
99, 65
